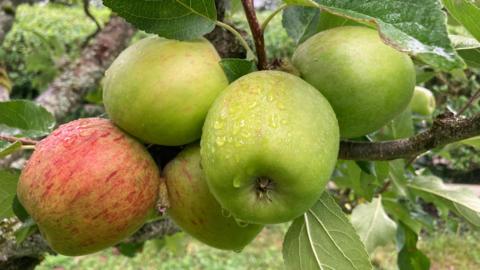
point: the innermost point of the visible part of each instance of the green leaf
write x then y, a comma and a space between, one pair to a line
401, 213
7, 148
25, 118
130, 249
236, 68
403, 25
410, 258
465, 12
461, 201
468, 48
402, 125
348, 174
323, 238
306, 3
8, 190
397, 176
175, 19
28, 228
474, 142
301, 22
373, 225
19, 210
329, 20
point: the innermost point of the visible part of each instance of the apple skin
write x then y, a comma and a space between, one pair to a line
423, 101
88, 185
367, 82
160, 90
269, 145
196, 211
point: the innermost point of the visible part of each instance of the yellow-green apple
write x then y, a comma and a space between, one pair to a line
269, 145
367, 82
196, 211
160, 90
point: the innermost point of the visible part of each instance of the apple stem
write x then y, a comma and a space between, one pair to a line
257, 33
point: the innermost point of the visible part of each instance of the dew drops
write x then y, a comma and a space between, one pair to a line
241, 223
217, 125
226, 213
237, 182
220, 141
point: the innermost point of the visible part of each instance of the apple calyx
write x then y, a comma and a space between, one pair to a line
263, 187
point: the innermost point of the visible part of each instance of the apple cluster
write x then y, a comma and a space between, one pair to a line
256, 151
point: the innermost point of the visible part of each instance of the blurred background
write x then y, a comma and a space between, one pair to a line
48, 36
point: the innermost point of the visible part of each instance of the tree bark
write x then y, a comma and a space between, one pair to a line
66, 92
446, 129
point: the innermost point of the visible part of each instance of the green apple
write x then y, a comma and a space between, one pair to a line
367, 82
196, 211
160, 90
88, 185
423, 101
269, 145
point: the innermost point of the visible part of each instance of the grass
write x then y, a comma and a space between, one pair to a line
445, 250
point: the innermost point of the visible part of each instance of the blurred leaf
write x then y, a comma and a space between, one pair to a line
19, 210
130, 249
323, 238
465, 12
28, 228
468, 48
402, 125
175, 19
410, 258
300, 22
348, 174
367, 167
8, 190
236, 68
307, 3
463, 202
7, 148
401, 213
25, 118
373, 224
474, 142
402, 25
397, 176
424, 75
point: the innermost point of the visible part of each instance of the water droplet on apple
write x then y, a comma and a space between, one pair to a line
237, 182
226, 213
220, 141
217, 125
241, 223
238, 250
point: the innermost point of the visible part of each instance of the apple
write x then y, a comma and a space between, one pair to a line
423, 101
160, 90
269, 145
88, 185
367, 82
196, 211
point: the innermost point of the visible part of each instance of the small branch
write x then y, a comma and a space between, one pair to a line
271, 16
24, 141
446, 129
239, 36
257, 34
469, 102
86, 10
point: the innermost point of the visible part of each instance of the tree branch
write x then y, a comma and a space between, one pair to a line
24, 141
66, 92
446, 129
86, 10
257, 33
